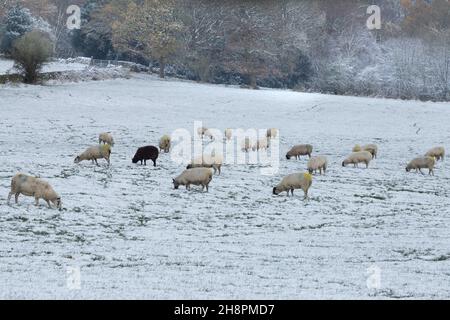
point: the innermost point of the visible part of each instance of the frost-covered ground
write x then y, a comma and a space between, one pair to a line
133, 236
6, 66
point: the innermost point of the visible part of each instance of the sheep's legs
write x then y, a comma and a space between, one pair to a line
154, 163
431, 171
36, 202
48, 203
17, 197
292, 192
96, 162
420, 170
9, 197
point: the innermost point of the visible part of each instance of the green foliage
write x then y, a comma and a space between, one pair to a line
30, 52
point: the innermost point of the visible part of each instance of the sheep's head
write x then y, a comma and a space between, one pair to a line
310, 171
134, 160
176, 185
57, 203
189, 166
275, 191
344, 163
408, 168
77, 159
288, 156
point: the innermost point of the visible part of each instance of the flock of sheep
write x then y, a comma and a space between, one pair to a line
199, 173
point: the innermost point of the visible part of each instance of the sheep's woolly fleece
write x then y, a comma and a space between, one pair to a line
133, 236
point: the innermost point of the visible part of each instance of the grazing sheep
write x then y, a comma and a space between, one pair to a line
205, 132
358, 157
247, 145
357, 148
437, 152
94, 153
229, 134
106, 137
33, 187
294, 181
207, 162
261, 144
272, 133
300, 150
164, 143
422, 163
195, 176
317, 163
372, 148
146, 153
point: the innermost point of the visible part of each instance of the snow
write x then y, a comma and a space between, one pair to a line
6, 66
133, 236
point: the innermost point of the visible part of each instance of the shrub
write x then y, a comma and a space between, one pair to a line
30, 52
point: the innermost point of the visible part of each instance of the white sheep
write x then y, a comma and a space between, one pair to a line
372, 148
206, 161
247, 145
195, 176
229, 134
33, 187
294, 181
358, 157
164, 143
317, 163
436, 152
95, 152
204, 132
300, 150
422, 163
106, 137
272, 133
261, 144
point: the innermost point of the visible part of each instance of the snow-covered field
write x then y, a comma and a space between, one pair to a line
132, 236
6, 66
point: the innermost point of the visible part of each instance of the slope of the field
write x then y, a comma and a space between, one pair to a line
133, 236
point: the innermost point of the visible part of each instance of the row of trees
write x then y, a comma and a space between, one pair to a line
320, 45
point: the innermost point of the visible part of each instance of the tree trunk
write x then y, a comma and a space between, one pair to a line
162, 68
252, 80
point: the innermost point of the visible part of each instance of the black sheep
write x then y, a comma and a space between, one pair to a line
146, 153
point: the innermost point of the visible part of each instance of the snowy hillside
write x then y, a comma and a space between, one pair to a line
133, 236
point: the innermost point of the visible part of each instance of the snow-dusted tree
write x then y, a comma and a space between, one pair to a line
30, 52
248, 48
202, 40
150, 29
18, 21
